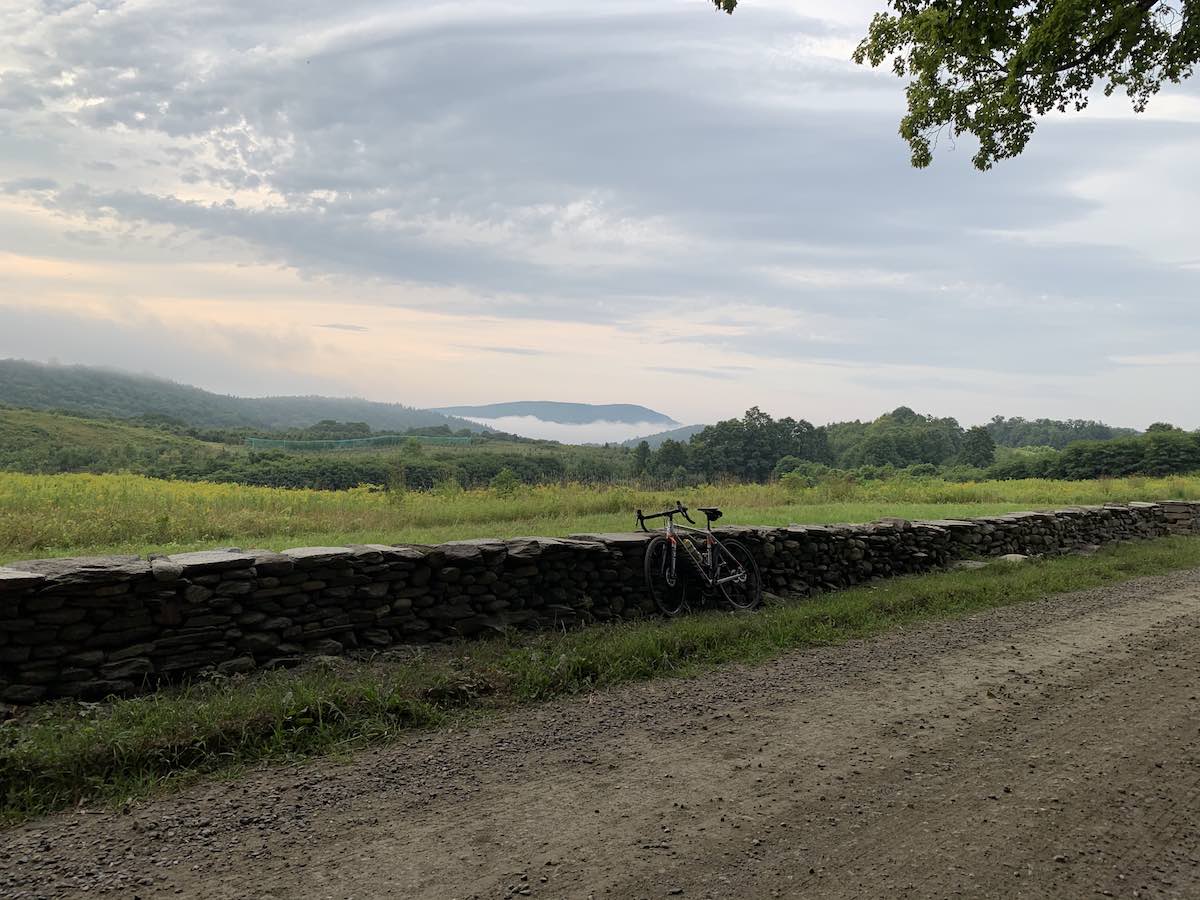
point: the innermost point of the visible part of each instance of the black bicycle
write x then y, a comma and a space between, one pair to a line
724, 568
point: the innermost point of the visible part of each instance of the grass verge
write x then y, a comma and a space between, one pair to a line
75, 515
63, 754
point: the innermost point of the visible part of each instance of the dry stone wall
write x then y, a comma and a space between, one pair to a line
90, 627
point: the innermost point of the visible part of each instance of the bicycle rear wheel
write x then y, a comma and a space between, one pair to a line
745, 592
664, 579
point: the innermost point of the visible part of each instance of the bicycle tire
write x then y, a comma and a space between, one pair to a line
670, 596
746, 595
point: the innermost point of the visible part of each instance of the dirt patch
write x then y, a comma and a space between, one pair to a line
1043, 749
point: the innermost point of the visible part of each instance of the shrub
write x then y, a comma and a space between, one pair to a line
505, 482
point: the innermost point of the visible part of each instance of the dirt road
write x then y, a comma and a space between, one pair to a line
1048, 749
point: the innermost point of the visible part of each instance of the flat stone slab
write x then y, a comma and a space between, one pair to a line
204, 561
83, 569
618, 539
13, 579
758, 530
310, 556
491, 549
268, 562
413, 553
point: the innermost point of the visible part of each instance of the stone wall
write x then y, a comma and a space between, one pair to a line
89, 627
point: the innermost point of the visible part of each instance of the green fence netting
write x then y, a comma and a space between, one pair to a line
382, 440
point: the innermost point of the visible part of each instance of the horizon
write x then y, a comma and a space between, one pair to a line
416, 204
654, 430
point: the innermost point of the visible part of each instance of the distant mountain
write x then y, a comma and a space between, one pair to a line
683, 435
107, 392
562, 413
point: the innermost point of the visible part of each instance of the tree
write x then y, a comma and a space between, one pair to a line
749, 447
641, 458
989, 67
978, 448
505, 482
669, 456
1162, 427
900, 438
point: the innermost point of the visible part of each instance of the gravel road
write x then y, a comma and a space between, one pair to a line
1045, 749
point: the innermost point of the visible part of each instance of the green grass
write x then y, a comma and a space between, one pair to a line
71, 515
35, 436
62, 754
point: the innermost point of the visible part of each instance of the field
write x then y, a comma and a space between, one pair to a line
74, 515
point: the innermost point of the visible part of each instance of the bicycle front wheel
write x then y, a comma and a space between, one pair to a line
744, 590
663, 579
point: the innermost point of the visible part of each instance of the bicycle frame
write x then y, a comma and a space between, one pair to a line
707, 567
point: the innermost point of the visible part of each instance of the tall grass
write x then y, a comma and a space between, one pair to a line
47, 515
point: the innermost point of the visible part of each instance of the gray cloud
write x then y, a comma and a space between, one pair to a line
719, 373
510, 351
339, 326
250, 357
589, 165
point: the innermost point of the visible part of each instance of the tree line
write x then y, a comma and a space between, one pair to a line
757, 447
754, 448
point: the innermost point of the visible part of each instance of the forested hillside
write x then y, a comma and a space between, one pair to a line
45, 442
104, 392
149, 426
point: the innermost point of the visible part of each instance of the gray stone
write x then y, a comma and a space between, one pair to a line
197, 594
235, 588
204, 562
196, 660
14, 579
86, 658
236, 666
101, 688
458, 552
23, 693
129, 652
310, 557
132, 669
85, 569
67, 616
165, 569
326, 647
259, 643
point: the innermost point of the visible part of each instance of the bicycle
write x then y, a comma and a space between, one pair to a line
724, 567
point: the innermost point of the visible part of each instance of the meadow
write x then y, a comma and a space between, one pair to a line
75, 515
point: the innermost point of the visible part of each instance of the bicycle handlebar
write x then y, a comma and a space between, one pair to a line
679, 509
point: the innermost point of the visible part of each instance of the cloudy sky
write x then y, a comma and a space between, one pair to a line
624, 201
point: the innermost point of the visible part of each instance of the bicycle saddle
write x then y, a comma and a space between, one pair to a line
711, 513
